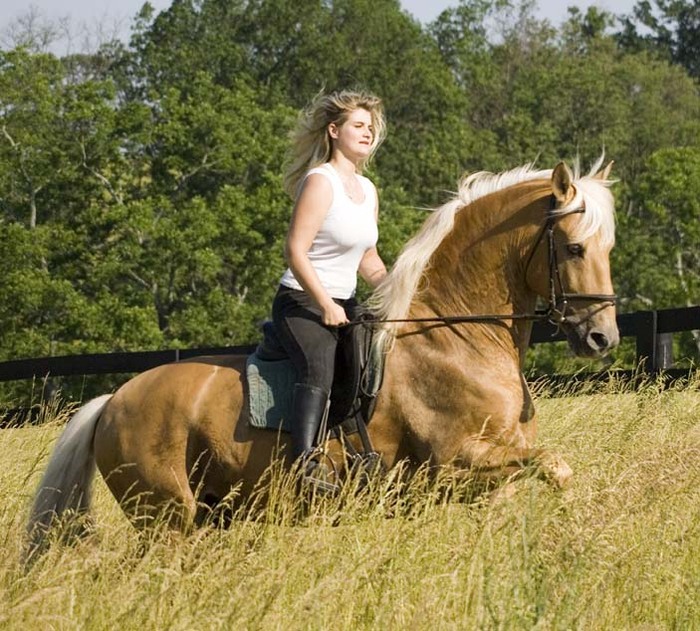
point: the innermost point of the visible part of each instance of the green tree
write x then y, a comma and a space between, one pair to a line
663, 227
34, 143
666, 28
187, 237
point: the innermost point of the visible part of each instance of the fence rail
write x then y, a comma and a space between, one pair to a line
653, 331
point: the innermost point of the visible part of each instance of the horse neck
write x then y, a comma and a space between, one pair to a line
479, 268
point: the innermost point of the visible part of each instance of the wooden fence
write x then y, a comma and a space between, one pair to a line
653, 331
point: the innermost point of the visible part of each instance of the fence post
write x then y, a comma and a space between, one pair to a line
664, 351
645, 328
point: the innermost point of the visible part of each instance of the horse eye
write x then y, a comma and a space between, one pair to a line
575, 249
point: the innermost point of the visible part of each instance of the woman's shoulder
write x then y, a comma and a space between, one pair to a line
319, 177
321, 169
317, 182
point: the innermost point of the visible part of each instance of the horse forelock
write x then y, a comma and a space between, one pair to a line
393, 298
594, 194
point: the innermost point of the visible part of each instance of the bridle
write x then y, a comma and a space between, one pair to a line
558, 300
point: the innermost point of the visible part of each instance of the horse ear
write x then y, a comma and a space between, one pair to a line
562, 182
605, 173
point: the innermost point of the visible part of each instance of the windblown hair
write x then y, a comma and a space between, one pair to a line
311, 142
392, 299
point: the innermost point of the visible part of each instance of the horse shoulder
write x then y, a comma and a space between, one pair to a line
438, 402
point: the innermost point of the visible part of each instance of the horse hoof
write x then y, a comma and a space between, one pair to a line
555, 470
563, 475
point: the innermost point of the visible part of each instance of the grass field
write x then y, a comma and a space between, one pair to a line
619, 549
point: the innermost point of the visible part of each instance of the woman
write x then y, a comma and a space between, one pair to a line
332, 236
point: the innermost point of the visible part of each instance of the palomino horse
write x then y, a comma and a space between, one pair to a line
453, 391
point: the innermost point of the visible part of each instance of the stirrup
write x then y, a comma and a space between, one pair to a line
317, 477
367, 466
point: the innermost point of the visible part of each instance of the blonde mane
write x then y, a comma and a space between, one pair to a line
392, 299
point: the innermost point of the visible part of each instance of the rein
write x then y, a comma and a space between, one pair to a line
558, 298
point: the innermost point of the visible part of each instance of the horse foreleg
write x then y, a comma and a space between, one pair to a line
494, 462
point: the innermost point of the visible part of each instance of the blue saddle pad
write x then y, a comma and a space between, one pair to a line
270, 390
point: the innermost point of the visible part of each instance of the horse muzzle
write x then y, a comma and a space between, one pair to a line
591, 337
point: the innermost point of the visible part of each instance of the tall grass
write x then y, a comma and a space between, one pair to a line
620, 549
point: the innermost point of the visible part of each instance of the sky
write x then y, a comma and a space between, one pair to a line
115, 16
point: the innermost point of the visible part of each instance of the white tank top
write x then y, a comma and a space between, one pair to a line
347, 232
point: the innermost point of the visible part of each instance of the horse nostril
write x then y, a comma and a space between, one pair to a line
598, 341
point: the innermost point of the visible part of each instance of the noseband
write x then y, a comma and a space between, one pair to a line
558, 298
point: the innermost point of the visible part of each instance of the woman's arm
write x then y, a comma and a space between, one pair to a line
309, 213
372, 268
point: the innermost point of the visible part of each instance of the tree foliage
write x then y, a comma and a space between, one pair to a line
669, 29
663, 220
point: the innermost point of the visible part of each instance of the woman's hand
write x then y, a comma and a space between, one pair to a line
332, 314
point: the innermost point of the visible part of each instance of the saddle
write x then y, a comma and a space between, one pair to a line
358, 378
356, 383
359, 369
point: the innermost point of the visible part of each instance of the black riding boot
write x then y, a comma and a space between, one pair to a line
308, 409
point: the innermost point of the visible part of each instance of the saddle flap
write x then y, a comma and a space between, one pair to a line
353, 368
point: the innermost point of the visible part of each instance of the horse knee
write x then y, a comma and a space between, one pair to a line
177, 514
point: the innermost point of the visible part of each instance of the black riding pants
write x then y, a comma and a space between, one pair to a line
311, 345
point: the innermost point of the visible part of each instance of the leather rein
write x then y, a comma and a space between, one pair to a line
558, 300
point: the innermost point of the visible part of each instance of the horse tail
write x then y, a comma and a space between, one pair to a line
67, 482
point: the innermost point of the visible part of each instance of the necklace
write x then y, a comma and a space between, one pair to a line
353, 189
351, 186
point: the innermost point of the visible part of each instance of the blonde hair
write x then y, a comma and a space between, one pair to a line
311, 143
